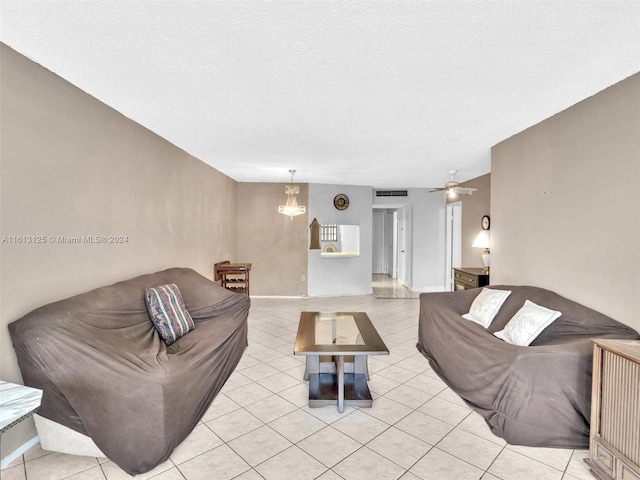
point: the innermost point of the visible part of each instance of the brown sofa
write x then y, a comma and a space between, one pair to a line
106, 373
538, 395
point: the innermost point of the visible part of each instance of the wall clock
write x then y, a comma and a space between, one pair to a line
341, 201
486, 222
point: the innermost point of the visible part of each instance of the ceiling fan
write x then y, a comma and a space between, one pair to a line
452, 187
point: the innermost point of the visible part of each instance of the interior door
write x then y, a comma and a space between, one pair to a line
404, 242
453, 242
378, 263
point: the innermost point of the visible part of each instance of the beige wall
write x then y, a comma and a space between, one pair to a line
474, 207
564, 204
72, 166
274, 244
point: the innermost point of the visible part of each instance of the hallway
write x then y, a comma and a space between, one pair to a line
386, 287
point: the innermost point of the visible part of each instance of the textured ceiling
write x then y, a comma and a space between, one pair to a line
386, 94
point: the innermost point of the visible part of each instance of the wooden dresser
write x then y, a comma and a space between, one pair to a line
465, 278
614, 447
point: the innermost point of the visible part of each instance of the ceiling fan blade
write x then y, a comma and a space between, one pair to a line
437, 190
465, 190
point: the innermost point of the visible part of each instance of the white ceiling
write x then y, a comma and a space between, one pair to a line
380, 93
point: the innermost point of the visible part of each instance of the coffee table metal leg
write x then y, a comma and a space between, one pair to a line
340, 374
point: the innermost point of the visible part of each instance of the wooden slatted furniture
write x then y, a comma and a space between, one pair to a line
234, 276
614, 450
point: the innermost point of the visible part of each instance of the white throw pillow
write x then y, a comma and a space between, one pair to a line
527, 324
486, 306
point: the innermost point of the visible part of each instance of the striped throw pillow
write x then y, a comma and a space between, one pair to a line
168, 313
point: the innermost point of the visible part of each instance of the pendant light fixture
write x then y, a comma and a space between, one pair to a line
291, 208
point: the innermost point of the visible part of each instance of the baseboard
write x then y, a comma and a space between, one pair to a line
429, 289
21, 450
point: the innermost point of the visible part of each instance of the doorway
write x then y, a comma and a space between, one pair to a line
453, 256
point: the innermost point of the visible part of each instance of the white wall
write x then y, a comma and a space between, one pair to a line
428, 211
341, 276
429, 250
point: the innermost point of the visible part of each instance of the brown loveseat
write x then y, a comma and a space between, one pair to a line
106, 373
538, 395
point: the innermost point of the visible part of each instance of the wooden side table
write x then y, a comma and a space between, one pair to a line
233, 276
465, 278
614, 450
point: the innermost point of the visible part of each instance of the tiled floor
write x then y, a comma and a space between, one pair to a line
386, 287
260, 426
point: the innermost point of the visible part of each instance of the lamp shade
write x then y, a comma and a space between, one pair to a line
482, 240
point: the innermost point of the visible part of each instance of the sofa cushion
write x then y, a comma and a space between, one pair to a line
486, 306
527, 324
168, 313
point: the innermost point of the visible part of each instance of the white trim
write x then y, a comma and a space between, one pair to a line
429, 289
21, 450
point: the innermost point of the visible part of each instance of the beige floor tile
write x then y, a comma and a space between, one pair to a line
360, 426
415, 363
329, 475
439, 465
381, 385
409, 476
453, 397
408, 396
247, 394
259, 445
221, 406
114, 472
330, 413
259, 371
17, 461
512, 466
297, 425
171, 474
577, 467
470, 448
427, 382
377, 467
221, 463
234, 424
396, 373
288, 362
200, 440
426, 428
292, 464
488, 476
280, 381
35, 452
399, 447
387, 410
329, 446
445, 411
94, 473
475, 424
298, 395
236, 380
557, 458
247, 361
13, 473
58, 465
249, 475
270, 408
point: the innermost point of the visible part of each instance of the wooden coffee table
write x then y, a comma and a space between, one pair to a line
336, 345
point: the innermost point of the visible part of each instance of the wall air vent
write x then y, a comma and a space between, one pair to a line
391, 193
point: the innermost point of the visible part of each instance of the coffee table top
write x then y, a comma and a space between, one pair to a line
337, 333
